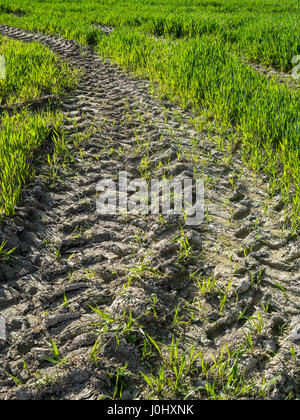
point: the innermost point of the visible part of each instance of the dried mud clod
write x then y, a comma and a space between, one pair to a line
92, 301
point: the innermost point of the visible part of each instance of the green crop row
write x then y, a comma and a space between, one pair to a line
31, 71
21, 136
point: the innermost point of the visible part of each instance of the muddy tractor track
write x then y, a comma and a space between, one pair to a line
69, 258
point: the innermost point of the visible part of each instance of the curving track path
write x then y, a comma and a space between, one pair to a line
70, 258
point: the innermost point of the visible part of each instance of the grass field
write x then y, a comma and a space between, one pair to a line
266, 31
32, 72
129, 306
